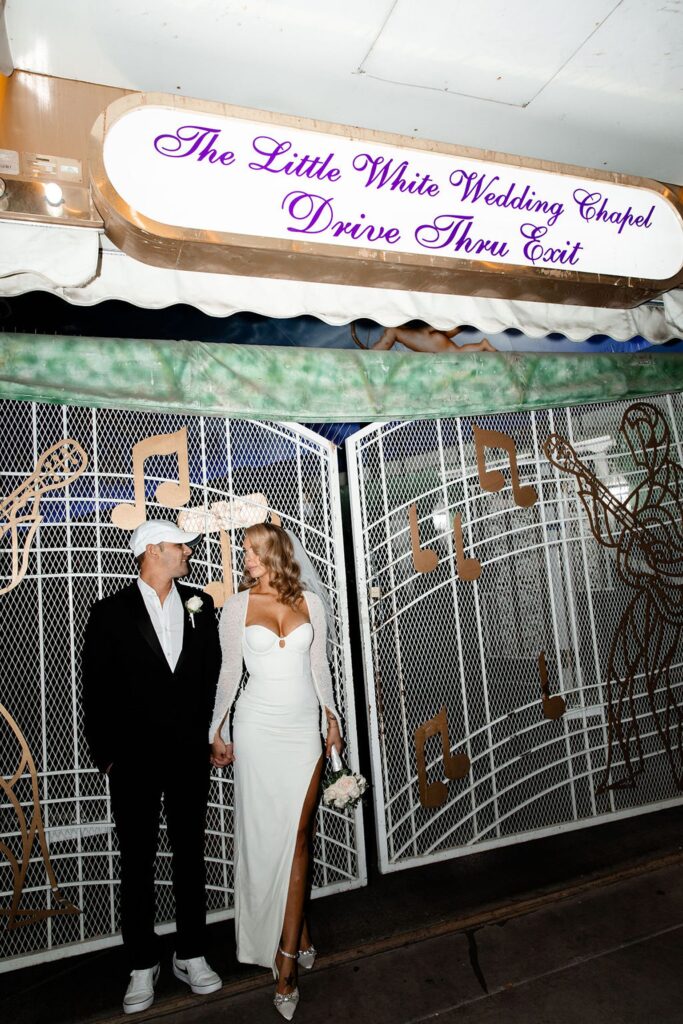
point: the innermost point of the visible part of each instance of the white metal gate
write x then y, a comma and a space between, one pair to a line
521, 627
58, 894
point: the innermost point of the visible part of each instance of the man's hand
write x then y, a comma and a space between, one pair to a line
221, 753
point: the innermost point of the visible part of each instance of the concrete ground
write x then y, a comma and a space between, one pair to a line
581, 927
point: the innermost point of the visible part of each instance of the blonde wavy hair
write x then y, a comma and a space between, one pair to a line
274, 548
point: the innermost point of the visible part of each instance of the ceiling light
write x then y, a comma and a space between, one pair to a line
53, 193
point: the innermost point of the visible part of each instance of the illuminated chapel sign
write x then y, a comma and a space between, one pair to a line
255, 194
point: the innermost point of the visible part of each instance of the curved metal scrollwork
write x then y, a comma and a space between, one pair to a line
30, 829
646, 532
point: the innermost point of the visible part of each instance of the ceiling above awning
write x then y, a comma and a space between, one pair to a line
81, 266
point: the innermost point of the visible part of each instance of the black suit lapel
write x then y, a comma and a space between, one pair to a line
143, 621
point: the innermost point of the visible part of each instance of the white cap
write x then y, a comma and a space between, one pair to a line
156, 531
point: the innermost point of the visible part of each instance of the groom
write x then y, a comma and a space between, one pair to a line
151, 659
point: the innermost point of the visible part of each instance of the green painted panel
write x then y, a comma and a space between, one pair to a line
315, 385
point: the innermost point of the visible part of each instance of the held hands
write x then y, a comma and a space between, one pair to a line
221, 753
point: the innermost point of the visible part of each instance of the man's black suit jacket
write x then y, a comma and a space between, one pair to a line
135, 707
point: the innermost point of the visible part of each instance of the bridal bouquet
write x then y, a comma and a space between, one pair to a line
344, 788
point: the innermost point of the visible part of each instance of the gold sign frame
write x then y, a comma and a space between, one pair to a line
168, 246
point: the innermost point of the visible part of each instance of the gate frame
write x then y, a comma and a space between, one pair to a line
386, 866
327, 451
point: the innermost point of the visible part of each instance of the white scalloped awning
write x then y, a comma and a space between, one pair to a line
82, 267
46, 256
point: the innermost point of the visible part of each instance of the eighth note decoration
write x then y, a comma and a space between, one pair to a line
553, 707
467, 568
492, 479
455, 766
424, 559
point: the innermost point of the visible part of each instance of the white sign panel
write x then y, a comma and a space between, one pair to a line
195, 170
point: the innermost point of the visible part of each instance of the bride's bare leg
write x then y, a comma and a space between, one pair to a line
305, 940
294, 926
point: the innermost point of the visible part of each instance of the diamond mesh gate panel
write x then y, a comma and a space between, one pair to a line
434, 640
78, 556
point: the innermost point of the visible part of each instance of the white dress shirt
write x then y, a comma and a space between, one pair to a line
167, 619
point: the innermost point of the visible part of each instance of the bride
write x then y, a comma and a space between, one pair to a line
279, 629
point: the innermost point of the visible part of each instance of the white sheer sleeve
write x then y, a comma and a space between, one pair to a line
320, 668
230, 630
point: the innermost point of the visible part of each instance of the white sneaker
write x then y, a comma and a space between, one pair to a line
197, 974
140, 992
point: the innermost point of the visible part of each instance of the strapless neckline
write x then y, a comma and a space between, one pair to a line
278, 636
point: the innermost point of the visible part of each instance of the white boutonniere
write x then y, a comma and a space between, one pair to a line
194, 605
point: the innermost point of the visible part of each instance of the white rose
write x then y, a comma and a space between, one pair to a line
194, 605
330, 794
347, 787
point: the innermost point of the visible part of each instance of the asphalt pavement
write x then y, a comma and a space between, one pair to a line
583, 926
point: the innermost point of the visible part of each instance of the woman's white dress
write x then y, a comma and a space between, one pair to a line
276, 736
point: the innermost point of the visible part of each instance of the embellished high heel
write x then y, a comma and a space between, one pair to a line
286, 1003
307, 957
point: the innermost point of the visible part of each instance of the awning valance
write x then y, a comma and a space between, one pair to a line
82, 267
315, 385
40, 256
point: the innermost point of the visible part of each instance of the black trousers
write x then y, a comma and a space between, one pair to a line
136, 796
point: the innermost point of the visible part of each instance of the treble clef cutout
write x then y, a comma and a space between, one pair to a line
169, 494
553, 707
492, 479
455, 766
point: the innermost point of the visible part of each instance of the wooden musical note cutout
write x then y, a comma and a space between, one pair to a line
468, 569
424, 559
553, 707
170, 494
455, 766
492, 479
221, 590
